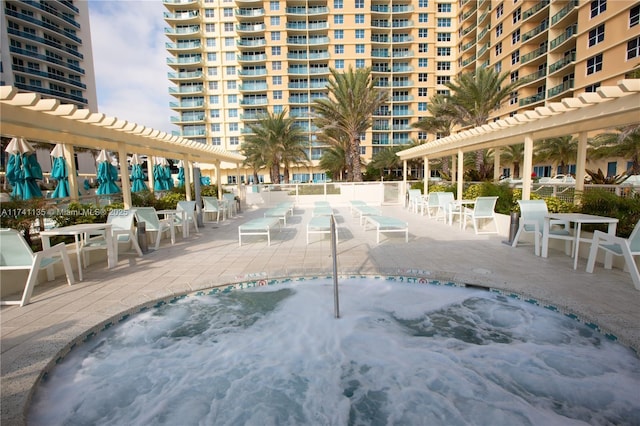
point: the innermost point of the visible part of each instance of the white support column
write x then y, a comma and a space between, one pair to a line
187, 177
460, 173
151, 160
427, 174
69, 158
454, 168
581, 163
497, 170
527, 166
405, 187
218, 179
124, 176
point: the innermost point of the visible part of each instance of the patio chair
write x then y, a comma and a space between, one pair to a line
483, 209
532, 213
444, 205
416, 201
432, 204
153, 223
122, 231
618, 246
189, 209
16, 254
230, 201
211, 206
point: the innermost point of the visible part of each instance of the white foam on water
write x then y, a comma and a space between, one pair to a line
400, 354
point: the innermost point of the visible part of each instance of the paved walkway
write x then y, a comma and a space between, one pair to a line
35, 335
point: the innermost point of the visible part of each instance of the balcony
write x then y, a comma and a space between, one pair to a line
468, 61
191, 30
259, 42
182, 17
556, 66
243, 13
185, 90
533, 55
260, 57
564, 87
564, 11
307, 11
558, 41
250, 28
304, 26
532, 99
402, 68
253, 72
535, 9
183, 47
534, 76
191, 75
187, 104
188, 118
537, 30
253, 87
191, 60
181, 3
254, 101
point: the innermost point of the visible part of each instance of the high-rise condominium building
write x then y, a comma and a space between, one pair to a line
46, 48
235, 60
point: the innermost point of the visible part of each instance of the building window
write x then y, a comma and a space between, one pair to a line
422, 106
339, 64
215, 127
423, 3
596, 35
499, 30
231, 85
230, 70
443, 51
443, 66
359, 4
423, 33
359, 48
444, 22
422, 92
214, 113
212, 57
274, 5
359, 63
443, 79
592, 87
338, 19
515, 36
229, 56
359, 18
359, 34
634, 16
498, 67
229, 42
422, 77
516, 15
443, 36
213, 85
513, 98
277, 109
443, 92
633, 48
594, 64
277, 80
423, 17
514, 76
499, 48
228, 27
338, 4
232, 99
444, 8
233, 113
215, 141
276, 65
515, 57
423, 62
598, 7
227, 12
277, 94
210, 28
422, 136
423, 47
338, 34
499, 10
276, 51
234, 140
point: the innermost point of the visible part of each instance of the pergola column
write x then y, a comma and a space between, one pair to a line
124, 176
186, 167
497, 172
427, 172
527, 166
460, 173
581, 164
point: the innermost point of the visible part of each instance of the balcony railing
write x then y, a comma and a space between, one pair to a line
532, 99
564, 11
532, 55
566, 85
572, 30
535, 9
562, 62
537, 30
534, 76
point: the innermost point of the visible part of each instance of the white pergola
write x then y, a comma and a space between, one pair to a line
609, 107
28, 116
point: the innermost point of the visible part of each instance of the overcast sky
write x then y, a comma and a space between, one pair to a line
130, 61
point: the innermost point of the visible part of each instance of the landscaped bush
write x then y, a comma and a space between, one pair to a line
605, 203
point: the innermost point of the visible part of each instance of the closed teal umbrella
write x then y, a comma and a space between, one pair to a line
59, 172
106, 176
137, 175
181, 173
23, 170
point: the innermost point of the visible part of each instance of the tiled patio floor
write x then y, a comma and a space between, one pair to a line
33, 336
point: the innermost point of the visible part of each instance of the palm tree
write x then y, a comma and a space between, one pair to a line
439, 122
386, 159
275, 140
474, 97
353, 98
254, 156
514, 154
624, 143
562, 150
335, 158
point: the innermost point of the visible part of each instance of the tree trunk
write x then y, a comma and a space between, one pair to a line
355, 160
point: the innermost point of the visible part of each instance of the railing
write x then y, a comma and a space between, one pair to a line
334, 254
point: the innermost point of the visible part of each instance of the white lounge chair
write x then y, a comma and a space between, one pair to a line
259, 226
618, 246
212, 206
153, 223
387, 224
320, 224
532, 213
15, 254
483, 209
122, 231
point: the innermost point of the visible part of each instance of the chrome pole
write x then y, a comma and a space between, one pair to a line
336, 303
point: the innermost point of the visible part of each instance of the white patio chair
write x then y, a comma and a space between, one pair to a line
230, 201
211, 206
16, 254
444, 205
122, 231
416, 201
532, 213
483, 209
618, 246
432, 204
189, 209
153, 223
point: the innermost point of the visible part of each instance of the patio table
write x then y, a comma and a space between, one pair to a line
461, 204
77, 231
578, 219
170, 215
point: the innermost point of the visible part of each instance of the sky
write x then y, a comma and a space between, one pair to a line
129, 58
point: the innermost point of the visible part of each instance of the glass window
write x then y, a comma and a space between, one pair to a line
359, 34
227, 12
443, 66
214, 99
423, 3
276, 65
338, 19
232, 99
231, 70
423, 92
275, 35
633, 48
229, 42
592, 87
359, 63
594, 64
234, 140
231, 85
422, 106
444, 22
423, 33
513, 98
277, 94
498, 48
443, 79
515, 57
228, 27
516, 15
444, 51
359, 18
229, 56
339, 64
499, 10
275, 20
209, 13
338, 34
359, 4
423, 62
338, 49
423, 17
233, 127
634, 16
498, 67
359, 48
278, 109
499, 29
444, 7
514, 76
423, 47
233, 113
422, 77
598, 7
515, 36
596, 35
215, 127
214, 113
443, 36
276, 50
274, 5
277, 80
338, 4
216, 140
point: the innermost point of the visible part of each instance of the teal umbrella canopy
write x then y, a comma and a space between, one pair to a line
107, 175
162, 180
137, 175
23, 170
181, 173
59, 172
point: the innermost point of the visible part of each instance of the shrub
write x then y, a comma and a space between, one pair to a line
604, 203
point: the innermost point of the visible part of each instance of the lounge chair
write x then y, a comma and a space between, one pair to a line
259, 226
387, 224
15, 254
625, 247
153, 223
355, 203
320, 225
212, 206
532, 214
122, 231
483, 209
189, 209
322, 210
279, 212
364, 211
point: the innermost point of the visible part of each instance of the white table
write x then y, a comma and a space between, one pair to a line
461, 204
578, 219
77, 231
170, 216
